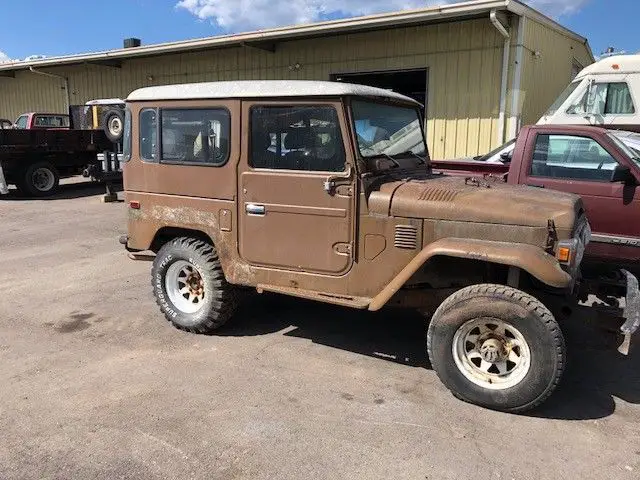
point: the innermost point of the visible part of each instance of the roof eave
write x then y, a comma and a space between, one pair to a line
406, 17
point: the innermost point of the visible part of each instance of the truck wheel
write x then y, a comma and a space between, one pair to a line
113, 122
190, 287
497, 347
39, 179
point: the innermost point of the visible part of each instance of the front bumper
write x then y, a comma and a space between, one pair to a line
631, 312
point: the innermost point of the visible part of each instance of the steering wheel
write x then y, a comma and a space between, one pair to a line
601, 164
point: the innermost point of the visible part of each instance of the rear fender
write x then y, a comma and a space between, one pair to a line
529, 258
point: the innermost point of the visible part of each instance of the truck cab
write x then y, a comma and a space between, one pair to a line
48, 121
325, 191
606, 93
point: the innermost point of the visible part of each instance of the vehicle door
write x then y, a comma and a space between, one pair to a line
584, 166
296, 187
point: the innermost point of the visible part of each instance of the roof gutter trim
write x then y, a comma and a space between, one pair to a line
404, 17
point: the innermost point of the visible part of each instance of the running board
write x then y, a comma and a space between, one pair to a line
344, 301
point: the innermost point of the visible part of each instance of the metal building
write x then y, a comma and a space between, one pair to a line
482, 68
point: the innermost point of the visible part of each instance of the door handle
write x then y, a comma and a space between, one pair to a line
254, 209
535, 185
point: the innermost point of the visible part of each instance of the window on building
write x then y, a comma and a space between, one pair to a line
604, 99
296, 138
571, 157
148, 134
195, 136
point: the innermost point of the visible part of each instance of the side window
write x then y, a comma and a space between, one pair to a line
21, 122
571, 157
148, 134
604, 99
296, 138
195, 136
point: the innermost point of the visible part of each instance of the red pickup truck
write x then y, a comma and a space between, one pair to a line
600, 165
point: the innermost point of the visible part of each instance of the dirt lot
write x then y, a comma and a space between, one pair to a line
96, 385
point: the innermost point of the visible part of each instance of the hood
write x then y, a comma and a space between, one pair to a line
483, 201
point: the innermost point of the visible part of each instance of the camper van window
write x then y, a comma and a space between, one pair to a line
604, 99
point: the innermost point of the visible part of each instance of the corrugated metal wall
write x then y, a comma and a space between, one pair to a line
464, 61
546, 73
463, 58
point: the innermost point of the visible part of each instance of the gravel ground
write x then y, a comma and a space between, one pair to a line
96, 385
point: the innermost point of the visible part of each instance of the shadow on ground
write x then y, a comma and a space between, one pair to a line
66, 191
596, 372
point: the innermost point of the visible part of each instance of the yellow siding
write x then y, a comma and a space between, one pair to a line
464, 61
546, 73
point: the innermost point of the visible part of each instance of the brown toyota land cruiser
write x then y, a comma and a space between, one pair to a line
324, 191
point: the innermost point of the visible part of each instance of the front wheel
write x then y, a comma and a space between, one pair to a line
496, 347
190, 286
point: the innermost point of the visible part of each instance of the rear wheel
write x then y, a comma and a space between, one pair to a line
497, 347
190, 287
39, 180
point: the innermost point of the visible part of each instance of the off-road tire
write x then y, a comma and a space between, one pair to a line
27, 186
220, 297
518, 309
108, 120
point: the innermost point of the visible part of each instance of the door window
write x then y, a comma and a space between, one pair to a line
296, 138
571, 157
604, 99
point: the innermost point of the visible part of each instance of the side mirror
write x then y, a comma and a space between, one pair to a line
622, 173
506, 156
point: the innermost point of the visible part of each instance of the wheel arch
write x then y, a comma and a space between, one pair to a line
165, 234
529, 258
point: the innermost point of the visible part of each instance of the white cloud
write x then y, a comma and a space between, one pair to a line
234, 15
4, 57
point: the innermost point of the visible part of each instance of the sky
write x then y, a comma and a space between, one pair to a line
76, 26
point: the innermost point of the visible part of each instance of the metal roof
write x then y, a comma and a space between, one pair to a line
261, 88
616, 64
453, 11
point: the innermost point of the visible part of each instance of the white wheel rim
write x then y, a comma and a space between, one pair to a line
115, 126
185, 286
43, 179
491, 353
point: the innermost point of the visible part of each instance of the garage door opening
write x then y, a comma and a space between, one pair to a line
412, 83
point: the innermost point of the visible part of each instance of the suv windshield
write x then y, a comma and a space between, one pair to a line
388, 130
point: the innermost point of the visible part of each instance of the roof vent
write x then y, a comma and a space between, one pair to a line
132, 42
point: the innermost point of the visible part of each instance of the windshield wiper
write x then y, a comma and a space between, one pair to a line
411, 152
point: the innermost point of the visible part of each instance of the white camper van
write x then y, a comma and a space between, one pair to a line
604, 93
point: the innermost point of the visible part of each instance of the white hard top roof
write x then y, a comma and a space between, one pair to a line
260, 89
616, 64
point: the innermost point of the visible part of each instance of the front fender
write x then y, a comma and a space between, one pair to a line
529, 258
